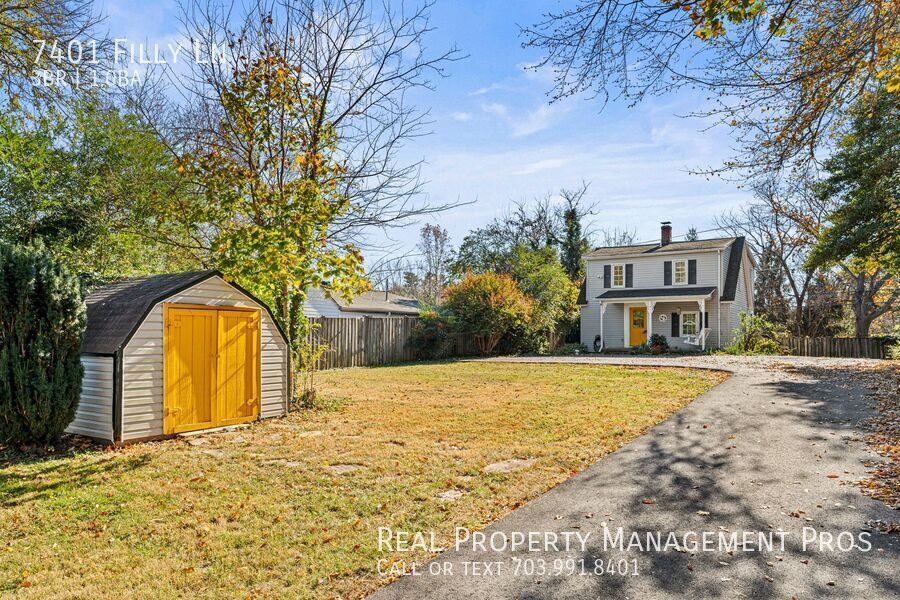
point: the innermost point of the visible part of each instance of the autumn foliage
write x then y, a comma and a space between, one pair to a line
486, 306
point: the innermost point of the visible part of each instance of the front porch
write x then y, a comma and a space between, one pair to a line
687, 318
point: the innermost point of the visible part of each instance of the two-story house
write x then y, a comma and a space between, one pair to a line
690, 292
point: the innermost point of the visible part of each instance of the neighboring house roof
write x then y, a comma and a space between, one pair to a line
729, 290
656, 249
380, 302
657, 292
115, 311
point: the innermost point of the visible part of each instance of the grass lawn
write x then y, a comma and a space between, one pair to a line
291, 507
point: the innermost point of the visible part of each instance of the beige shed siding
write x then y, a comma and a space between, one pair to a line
95, 406
142, 381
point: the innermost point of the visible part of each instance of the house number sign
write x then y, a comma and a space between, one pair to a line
663, 318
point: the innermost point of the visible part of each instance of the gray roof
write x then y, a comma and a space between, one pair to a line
615, 251
115, 311
729, 290
381, 302
657, 292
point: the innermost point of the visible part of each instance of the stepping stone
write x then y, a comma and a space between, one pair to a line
508, 466
450, 495
348, 468
283, 462
197, 441
309, 434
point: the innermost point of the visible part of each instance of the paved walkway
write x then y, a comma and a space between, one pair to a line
765, 451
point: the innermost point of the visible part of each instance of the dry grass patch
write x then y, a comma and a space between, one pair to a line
291, 507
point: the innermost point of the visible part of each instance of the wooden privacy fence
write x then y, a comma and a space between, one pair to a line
841, 347
367, 341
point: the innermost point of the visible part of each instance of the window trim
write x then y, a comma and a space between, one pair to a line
697, 323
612, 279
675, 271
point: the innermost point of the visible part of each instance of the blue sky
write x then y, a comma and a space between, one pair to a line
497, 139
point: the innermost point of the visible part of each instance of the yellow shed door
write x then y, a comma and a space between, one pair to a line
238, 366
211, 368
190, 369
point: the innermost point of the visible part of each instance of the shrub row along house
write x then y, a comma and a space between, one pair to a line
691, 292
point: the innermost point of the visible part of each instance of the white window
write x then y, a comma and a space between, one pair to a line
618, 276
689, 323
681, 277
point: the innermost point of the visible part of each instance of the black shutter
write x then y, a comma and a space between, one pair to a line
607, 276
675, 331
706, 319
667, 272
629, 275
692, 272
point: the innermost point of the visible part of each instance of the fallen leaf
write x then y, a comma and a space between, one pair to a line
648, 501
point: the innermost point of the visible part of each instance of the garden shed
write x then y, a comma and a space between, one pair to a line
178, 352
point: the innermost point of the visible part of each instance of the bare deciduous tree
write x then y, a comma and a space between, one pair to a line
360, 60
618, 237
434, 245
780, 72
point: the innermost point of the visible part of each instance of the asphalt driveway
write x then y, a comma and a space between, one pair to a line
770, 453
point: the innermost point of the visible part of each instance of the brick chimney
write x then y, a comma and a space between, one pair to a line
665, 235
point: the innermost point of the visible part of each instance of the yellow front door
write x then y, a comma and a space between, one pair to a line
212, 367
638, 326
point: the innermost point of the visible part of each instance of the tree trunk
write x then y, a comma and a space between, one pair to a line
861, 303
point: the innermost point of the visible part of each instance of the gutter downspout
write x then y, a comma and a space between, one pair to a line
719, 303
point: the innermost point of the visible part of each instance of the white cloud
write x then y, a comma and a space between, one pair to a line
541, 165
486, 89
521, 125
461, 116
495, 108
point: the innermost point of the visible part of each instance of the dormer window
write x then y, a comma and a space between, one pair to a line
618, 279
681, 272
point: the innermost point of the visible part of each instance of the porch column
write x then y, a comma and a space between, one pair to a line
602, 338
702, 303
649, 304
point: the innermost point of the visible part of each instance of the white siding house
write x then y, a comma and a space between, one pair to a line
690, 292
368, 304
125, 396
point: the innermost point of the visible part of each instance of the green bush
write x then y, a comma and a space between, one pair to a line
432, 335
42, 322
570, 349
755, 335
541, 277
642, 348
486, 306
658, 344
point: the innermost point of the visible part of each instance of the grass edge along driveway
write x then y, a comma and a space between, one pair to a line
291, 507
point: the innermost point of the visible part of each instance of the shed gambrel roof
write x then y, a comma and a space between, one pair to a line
115, 311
